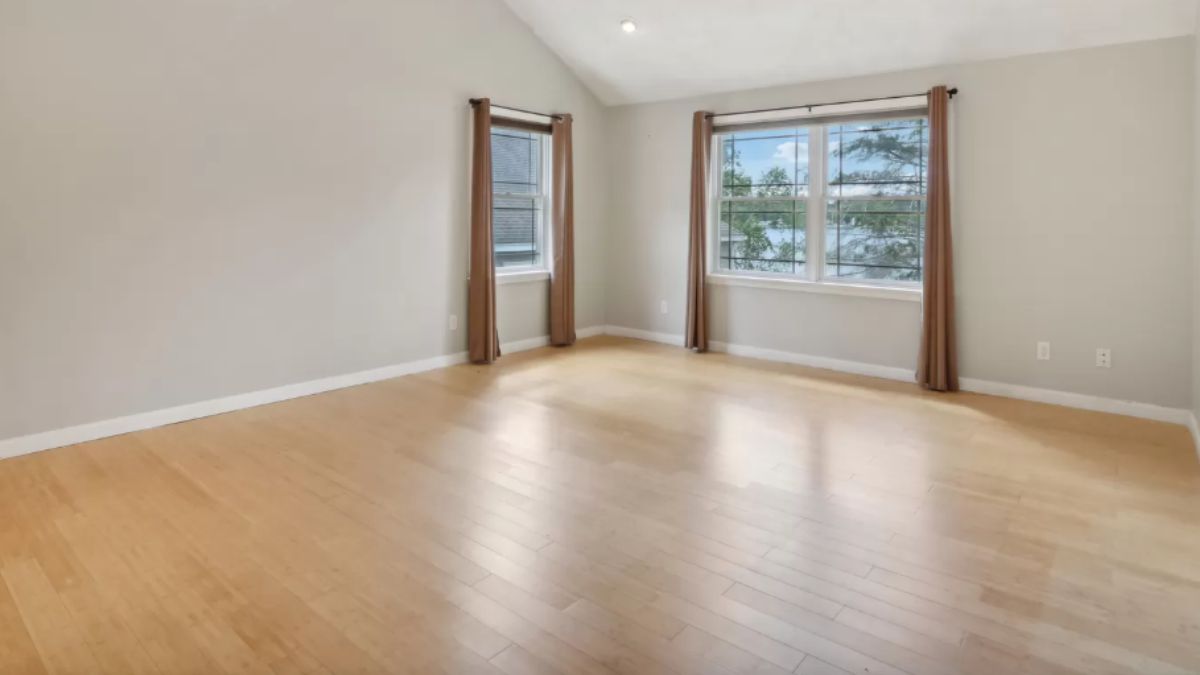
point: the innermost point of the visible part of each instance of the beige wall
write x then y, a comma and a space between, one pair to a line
205, 198
201, 198
1196, 235
1073, 197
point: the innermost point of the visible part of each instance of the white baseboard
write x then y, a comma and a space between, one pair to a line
1063, 398
1148, 411
1195, 429
544, 340
840, 365
190, 411
23, 445
649, 336
590, 331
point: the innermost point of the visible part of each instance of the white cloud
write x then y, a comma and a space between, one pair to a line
788, 150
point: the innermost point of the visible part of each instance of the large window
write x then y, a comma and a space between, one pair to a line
825, 202
519, 199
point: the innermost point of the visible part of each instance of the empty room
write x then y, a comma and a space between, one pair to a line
599, 336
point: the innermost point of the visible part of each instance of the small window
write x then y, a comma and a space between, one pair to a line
842, 201
520, 199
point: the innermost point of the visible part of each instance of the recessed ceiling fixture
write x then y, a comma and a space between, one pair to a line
628, 25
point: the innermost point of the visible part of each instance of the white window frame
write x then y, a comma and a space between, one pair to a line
526, 273
813, 279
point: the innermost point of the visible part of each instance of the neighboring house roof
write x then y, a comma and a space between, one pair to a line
516, 161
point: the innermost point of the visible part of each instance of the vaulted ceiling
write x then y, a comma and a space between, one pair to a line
690, 47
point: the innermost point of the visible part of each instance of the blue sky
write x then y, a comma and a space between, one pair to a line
760, 151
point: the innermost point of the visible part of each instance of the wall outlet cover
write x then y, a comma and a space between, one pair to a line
1043, 351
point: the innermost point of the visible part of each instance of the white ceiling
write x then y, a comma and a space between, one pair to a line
690, 47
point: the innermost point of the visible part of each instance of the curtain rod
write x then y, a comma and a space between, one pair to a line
476, 101
810, 106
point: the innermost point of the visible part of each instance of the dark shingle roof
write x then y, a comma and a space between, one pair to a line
516, 159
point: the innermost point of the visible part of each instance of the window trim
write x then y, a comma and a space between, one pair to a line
528, 273
813, 279
787, 282
521, 276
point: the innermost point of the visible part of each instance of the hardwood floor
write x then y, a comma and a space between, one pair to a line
618, 507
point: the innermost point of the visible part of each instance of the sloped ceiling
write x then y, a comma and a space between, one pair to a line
691, 47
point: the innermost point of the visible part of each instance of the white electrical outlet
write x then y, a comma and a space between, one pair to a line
1043, 351
662, 307
1103, 358
453, 322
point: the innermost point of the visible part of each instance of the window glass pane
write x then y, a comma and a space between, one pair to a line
874, 239
517, 220
878, 158
765, 163
516, 161
764, 216
516, 230
763, 236
874, 222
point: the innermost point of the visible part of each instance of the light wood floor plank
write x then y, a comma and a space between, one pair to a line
617, 507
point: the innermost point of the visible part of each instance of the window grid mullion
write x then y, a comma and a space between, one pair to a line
924, 191
796, 188
837, 246
535, 157
817, 187
732, 156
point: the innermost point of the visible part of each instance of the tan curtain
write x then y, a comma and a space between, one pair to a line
562, 224
937, 365
483, 340
696, 334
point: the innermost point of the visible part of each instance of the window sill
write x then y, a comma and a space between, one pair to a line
829, 287
522, 277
